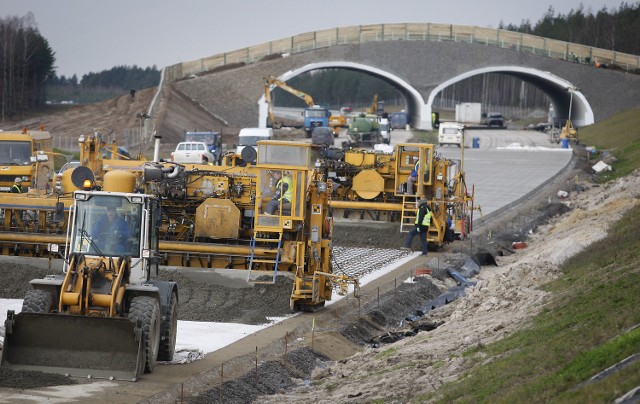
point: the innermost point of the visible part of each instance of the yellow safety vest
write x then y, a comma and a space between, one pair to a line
426, 220
288, 194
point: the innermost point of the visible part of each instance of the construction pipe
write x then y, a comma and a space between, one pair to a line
397, 207
165, 246
34, 238
366, 205
205, 248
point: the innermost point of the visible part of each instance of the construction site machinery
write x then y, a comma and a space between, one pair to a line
569, 132
27, 155
376, 107
363, 132
372, 185
230, 219
366, 185
337, 122
212, 216
104, 317
553, 133
314, 115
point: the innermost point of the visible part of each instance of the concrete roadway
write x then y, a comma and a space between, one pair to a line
506, 167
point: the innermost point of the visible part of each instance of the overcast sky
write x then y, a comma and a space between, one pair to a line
90, 35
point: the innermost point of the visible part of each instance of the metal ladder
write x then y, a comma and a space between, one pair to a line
252, 259
409, 212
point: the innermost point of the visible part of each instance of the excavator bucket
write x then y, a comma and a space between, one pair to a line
78, 346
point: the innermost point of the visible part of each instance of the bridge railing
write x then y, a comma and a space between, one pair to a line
408, 32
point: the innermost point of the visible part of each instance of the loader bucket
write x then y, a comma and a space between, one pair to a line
78, 346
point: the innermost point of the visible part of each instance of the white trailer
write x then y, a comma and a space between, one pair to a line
469, 113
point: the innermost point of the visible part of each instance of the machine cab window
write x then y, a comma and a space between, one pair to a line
282, 182
104, 225
414, 160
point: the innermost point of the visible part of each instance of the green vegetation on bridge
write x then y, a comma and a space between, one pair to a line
518, 41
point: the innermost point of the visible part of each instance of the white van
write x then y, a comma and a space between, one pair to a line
251, 136
450, 133
385, 130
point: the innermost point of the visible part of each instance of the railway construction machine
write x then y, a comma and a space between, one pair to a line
371, 184
104, 317
212, 216
27, 156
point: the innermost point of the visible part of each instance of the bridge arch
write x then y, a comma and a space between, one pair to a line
419, 110
561, 92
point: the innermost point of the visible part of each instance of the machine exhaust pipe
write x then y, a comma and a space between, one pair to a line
156, 147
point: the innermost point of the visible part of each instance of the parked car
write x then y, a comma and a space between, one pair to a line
322, 135
192, 153
495, 119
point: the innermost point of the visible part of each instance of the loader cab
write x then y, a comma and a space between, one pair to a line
282, 181
114, 225
410, 156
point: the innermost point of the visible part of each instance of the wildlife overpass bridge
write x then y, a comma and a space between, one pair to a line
420, 60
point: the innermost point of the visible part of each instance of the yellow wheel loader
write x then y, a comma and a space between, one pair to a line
104, 317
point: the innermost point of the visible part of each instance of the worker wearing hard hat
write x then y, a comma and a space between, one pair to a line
17, 187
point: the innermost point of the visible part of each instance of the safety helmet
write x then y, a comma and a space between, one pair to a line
18, 179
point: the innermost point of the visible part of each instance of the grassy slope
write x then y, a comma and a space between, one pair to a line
619, 134
592, 323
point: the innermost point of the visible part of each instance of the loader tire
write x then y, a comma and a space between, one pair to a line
37, 301
168, 331
147, 310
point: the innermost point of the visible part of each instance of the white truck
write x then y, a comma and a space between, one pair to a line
251, 136
469, 113
451, 133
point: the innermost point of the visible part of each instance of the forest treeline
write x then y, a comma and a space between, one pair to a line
616, 30
94, 87
28, 78
26, 62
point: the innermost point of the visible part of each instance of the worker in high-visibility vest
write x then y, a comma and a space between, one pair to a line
16, 188
422, 223
283, 192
